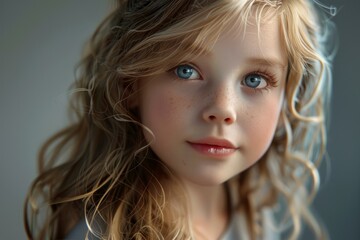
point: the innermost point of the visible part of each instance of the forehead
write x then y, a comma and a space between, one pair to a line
253, 40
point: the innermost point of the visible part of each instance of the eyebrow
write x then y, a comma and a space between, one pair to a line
270, 62
197, 47
265, 61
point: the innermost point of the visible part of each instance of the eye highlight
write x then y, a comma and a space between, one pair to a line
186, 71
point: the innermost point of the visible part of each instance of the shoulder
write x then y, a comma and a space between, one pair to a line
237, 229
271, 232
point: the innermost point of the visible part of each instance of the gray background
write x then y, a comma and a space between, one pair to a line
41, 41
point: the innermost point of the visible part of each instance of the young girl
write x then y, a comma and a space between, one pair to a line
199, 119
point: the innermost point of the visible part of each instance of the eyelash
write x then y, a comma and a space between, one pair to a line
172, 70
270, 78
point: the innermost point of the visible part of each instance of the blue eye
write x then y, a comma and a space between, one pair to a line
186, 72
255, 81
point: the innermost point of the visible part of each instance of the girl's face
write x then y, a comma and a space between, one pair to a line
215, 115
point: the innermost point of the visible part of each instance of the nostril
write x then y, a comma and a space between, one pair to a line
227, 120
216, 118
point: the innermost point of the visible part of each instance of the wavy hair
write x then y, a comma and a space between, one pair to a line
101, 168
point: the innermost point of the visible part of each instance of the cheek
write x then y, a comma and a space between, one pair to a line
261, 124
161, 110
155, 110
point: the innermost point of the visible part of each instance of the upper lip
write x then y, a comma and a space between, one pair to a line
220, 142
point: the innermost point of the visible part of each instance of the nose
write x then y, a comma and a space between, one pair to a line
221, 108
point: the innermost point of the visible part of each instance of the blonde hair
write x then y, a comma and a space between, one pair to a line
101, 168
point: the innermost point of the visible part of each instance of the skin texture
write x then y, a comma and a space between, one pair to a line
216, 103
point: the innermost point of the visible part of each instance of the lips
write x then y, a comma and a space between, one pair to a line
214, 147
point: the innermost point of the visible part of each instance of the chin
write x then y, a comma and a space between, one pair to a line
208, 180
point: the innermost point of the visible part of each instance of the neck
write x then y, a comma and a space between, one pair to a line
208, 209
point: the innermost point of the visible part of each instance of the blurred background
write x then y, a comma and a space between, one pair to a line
40, 43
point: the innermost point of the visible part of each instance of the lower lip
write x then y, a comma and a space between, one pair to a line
213, 150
